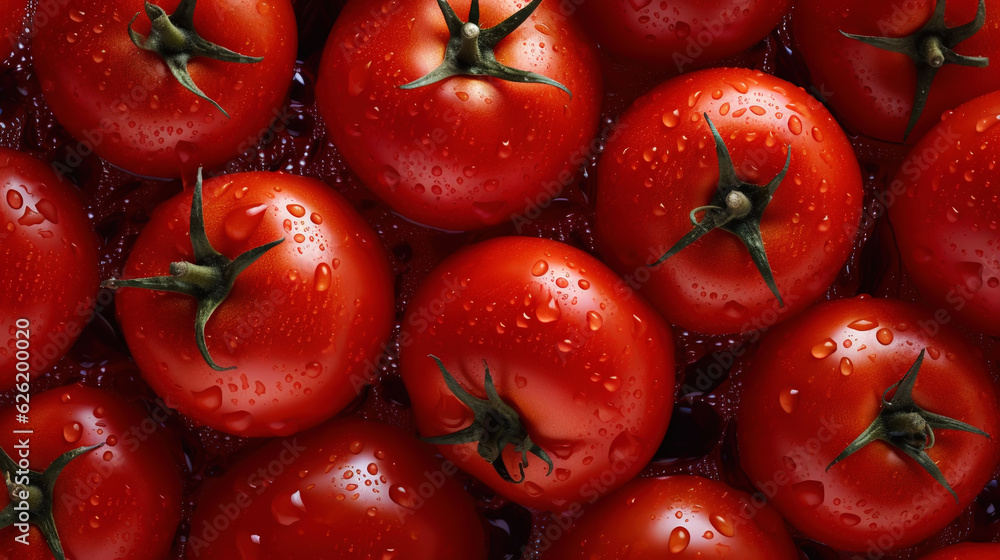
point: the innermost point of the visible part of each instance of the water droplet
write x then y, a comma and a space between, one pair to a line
809, 493
540, 268
678, 541
14, 199
532, 489
824, 349
520, 381
671, 120
722, 525
971, 275
72, 432
884, 336
795, 124
548, 311
846, 366
789, 399
238, 421
296, 210
314, 370
404, 497
624, 449
210, 399
242, 222
287, 507
986, 123
594, 320
734, 310
849, 519
863, 324
356, 446
322, 277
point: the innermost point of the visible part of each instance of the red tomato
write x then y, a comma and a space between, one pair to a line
48, 275
966, 551
686, 33
583, 364
873, 90
348, 489
662, 163
945, 216
682, 517
465, 152
818, 383
121, 500
122, 102
301, 326
11, 26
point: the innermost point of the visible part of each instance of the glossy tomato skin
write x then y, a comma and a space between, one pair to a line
966, 551
121, 500
585, 362
125, 105
465, 152
684, 34
48, 275
817, 382
300, 325
682, 517
348, 489
11, 26
945, 215
662, 164
872, 90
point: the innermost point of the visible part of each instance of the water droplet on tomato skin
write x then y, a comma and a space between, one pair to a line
322, 277
884, 336
404, 497
810, 493
824, 349
788, 399
846, 366
72, 432
678, 540
722, 525
540, 268
241, 223
237, 422
209, 399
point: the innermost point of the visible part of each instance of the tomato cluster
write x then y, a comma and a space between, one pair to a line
499, 279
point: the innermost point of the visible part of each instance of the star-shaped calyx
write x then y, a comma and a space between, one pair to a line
907, 427
40, 492
174, 38
209, 279
470, 49
737, 208
495, 426
931, 47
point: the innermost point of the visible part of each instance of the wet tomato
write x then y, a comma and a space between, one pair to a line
463, 152
868, 424
291, 341
347, 489
770, 169
48, 275
547, 359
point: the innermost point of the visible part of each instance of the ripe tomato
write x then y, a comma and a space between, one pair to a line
966, 551
348, 489
820, 381
874, 91
122, 102
121, 500
686, 34
48, 275
464, 152
682, 517
300, 327
11, 26
583, 366
945, 215
663, 163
